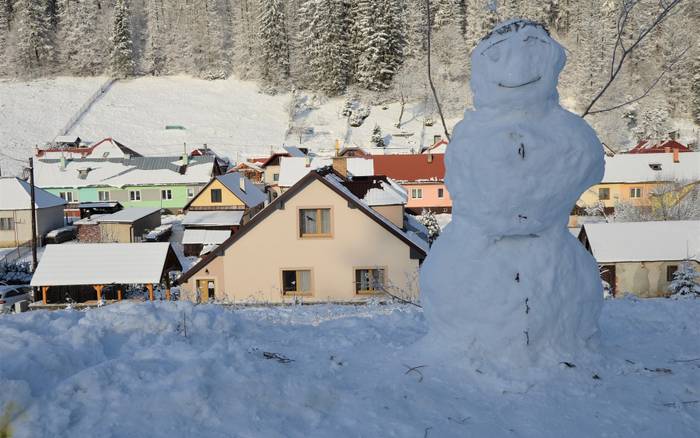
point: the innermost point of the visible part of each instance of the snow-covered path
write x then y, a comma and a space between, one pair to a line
128, 370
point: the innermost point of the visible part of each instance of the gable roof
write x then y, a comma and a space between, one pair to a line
631, 168
251, 197
103, 263
92, 172
293, 169
377, 190
332, 181
128, 215
15, 194
413, 167
648, 147
643, 241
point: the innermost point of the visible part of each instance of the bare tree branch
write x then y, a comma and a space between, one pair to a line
430, 76
651, 86
617, 63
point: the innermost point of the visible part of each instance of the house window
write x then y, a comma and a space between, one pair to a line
441, 193
216, 195
296, 281
416, 193
604, 193
135, 195
7, 223
67, 196
166, 194
314, 222
635, 192
369, 280
275, 177
103, 195
670, 270
190, 192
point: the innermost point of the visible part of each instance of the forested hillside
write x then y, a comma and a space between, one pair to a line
369, 50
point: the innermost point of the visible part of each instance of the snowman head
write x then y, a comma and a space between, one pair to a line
516, 64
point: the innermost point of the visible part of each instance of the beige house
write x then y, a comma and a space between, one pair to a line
16, 213
641, 257
317, 242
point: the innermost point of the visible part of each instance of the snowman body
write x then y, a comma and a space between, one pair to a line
506, 279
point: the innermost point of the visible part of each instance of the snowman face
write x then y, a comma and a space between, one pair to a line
516, 64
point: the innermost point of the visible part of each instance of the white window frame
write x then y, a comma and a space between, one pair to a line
67, 196
190, 192
416, 193
166, 194
441, 192
635, 192
7, 223
134, 195
103, 195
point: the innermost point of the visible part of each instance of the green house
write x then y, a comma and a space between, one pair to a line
164, 182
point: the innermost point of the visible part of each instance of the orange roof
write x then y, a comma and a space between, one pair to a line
412, 167
645, 147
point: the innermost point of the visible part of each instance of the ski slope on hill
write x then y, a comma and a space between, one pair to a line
231, 116
178, 370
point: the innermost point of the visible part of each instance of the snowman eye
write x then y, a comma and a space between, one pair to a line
493, 52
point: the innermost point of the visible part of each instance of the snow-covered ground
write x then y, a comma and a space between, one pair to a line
231, 116
129, 370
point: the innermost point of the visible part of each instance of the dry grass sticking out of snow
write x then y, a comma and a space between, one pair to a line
174, 369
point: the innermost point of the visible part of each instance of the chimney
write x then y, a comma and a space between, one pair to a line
307, 161
241, 182
676, 157
667, 149
185, 157
62, 163
340, 165
430, 158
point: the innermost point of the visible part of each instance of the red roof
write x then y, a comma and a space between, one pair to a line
645, 147
413, 167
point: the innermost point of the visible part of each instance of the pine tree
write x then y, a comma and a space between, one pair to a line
325, 32
122, 47
5, 20
34, 48
695, 90
274, 48
430, 222
82, 48
686, 281
377, 137
154, 55
380, 43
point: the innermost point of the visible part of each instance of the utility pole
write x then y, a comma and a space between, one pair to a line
33, 200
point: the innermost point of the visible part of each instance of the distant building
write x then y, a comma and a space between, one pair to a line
133, 181
666, 146
641, 257
125, 226
423, 177
16, 214
71, 147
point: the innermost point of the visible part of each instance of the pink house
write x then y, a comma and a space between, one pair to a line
423, 177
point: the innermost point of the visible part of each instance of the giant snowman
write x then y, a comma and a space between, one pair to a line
507, 281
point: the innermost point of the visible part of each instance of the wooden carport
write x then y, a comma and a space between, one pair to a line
106, 264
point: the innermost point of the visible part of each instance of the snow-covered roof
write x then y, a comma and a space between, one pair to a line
15, 194
128, 215
630, 168
644, 241
121, 172
206, 237
390, 193
67, 139
337, 182
293, 169
252, 196
213, 218
294, 151
101, 263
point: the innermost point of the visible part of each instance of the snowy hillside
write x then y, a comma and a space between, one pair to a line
131, 370
231, 116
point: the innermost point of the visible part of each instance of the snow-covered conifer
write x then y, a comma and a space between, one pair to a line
5, 20
324, 37
430, 222
695, 90
686, 281
122, 57
274, 44
377, 137
34, 48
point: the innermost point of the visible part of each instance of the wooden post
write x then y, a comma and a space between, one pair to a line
98, 288
167, 294
44, 290
150, 291
119, 294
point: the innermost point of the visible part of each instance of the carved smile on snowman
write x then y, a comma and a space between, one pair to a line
531, 81
493, 53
